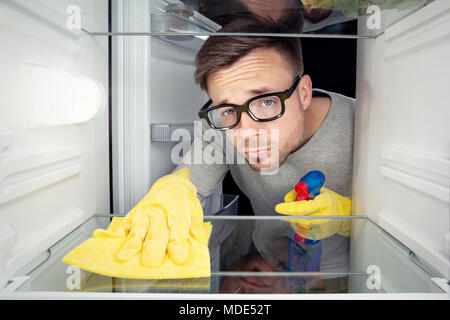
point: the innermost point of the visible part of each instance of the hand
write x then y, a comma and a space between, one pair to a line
166, 220
327, 203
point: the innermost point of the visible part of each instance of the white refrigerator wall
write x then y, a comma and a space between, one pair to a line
53, 125
402, 137
175, 97
153, 83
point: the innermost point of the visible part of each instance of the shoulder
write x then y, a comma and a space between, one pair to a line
341, 104
337, 98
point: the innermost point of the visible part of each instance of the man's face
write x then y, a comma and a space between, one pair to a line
254, 263
259, 72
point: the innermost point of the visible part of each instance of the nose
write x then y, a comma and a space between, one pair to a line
248, 132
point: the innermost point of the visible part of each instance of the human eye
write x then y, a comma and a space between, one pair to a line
227, 111
267, 102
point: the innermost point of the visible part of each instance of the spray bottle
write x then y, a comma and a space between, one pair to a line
304, 254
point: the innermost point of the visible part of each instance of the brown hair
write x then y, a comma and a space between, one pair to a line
223, 12
222, 51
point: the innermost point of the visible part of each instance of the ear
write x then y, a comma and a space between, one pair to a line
304, 91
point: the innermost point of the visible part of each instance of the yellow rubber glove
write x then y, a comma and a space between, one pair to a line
167, 219
162, 237
327, 203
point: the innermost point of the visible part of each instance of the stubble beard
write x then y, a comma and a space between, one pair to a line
290, 147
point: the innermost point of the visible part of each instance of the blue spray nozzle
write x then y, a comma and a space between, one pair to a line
314, 180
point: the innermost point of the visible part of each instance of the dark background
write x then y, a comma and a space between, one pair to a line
331, 64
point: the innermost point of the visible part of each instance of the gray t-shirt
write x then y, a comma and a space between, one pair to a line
329, 150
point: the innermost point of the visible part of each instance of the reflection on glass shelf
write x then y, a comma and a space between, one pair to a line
255, 255
201, 18
312, 18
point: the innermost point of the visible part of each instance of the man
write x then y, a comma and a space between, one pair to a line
315, 132
254, 262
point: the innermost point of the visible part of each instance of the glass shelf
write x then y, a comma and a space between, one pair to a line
180, 21
274, 265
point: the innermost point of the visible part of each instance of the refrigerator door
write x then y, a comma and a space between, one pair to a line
402, 154
53, 125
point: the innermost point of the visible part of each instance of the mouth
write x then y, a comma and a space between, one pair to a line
258, 153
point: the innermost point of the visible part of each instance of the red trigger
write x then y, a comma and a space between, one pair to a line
302, 191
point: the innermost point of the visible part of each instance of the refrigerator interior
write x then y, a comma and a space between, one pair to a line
94, 89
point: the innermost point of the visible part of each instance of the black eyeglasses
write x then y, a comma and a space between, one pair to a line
262, 108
